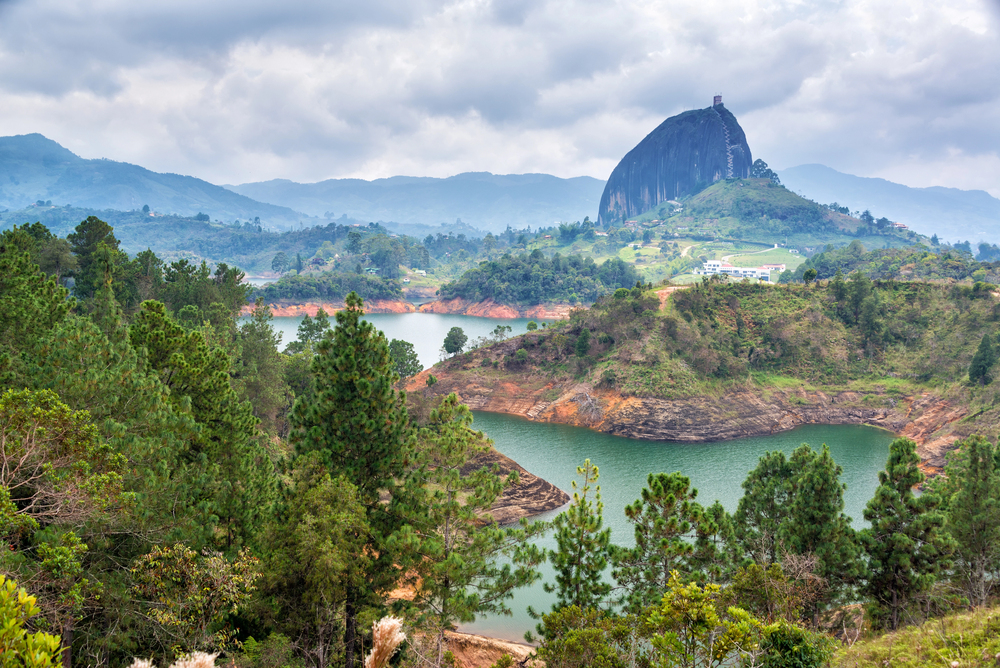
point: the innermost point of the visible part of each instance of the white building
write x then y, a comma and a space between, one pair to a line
719, 267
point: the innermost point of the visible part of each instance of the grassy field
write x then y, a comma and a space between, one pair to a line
775, 256
965, 639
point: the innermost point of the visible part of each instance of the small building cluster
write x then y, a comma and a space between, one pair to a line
720, 267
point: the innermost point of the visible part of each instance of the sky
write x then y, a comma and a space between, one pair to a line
234, 91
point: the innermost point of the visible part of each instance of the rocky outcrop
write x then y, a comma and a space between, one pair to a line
758, 411
491, 309
472, 651
312, 308
682, 156
530, 496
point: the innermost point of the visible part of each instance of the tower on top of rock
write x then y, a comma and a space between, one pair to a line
684, 155
716, 100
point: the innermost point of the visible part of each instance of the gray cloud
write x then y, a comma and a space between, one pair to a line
239, 91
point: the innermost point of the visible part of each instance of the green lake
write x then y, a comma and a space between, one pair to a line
553, 452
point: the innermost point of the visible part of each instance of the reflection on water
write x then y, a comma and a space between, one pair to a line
717, 470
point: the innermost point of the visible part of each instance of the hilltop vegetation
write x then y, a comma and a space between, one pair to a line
763, 211
329, 286
717, 336
534, 279
917, 262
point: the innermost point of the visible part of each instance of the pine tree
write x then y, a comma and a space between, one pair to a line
905, 543
763, 507
838, 289
858, 290
315, 554
358, 424
816, 524
973, 517
460, 576
85, 241
716, 549
983, 361
405, 358
582, 547
197, 375
259, 369
665, 519
31, 304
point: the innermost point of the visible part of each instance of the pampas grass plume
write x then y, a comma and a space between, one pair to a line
386, 637
194, 660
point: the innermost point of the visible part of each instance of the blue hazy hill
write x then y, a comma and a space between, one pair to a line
952, 214
485, 201
34, 168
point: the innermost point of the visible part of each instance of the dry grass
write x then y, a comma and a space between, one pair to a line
970, 639
387, 636
193, 660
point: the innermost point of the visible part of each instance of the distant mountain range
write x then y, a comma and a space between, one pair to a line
34, 168
485, 201
952, 214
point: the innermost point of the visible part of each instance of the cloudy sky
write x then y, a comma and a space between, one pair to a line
244, 90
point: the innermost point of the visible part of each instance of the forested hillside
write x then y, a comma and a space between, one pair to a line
170, 482
840, 331
530, 279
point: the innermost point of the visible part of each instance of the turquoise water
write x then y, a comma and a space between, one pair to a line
426, 331
553, 452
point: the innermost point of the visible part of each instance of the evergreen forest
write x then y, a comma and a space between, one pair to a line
173, 483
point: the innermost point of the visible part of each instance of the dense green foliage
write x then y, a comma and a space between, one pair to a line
582, 546
455, 340
149, 499
405, 359
833, 332
905, 263
905, 544
154, 501
971, 497
329, 286
529, 279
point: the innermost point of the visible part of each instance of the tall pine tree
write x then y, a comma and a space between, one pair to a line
816, 523
763, 507
974, 517
983, 361
582, 546
665, 519
358, 424
460, 571
905, 544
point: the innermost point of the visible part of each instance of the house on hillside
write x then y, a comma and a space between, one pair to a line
718, 267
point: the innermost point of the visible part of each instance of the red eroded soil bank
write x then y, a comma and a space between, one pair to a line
491, 309
312, 308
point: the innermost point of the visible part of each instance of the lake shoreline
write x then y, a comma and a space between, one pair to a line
927, 419
311, 308
483, 309
491, 309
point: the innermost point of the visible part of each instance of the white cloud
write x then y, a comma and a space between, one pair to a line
241, 91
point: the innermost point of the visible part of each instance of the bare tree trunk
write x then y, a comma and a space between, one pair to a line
67, 644
350, 632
